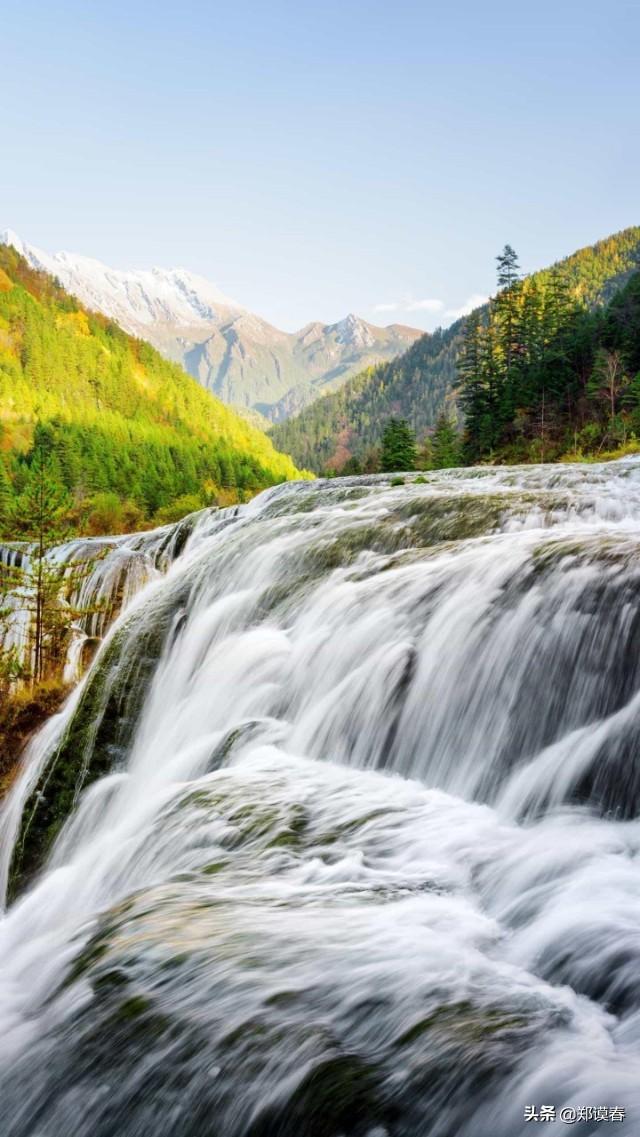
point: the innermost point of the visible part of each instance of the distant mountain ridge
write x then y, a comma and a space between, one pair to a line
114, 417
237, 355
421, 383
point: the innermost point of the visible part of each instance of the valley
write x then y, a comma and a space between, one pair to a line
238, 356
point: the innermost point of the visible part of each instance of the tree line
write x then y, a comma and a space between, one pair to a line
425, 381
37, 612
544, 375
400, 452
127, 432
541, 374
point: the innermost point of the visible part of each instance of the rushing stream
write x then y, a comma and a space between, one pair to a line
338, 836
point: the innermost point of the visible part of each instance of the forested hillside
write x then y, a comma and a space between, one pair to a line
238, 356
125, 432
349, 423
544, 376
425, 380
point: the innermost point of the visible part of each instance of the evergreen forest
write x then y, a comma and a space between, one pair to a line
590, 294
130, 439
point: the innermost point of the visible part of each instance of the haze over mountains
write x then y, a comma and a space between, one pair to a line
123, 433
237, 355
348, 424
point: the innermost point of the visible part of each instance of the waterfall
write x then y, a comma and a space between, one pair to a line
338, 835
100, 576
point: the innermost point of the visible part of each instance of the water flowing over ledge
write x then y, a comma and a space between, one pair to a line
339, 833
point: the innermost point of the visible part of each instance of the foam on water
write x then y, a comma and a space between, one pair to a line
360, 854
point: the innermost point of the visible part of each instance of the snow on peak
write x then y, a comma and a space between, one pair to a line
235, 353
353, 330
10, 237
136, 298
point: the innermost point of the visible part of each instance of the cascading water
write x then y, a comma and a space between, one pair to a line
338, 837
99, 578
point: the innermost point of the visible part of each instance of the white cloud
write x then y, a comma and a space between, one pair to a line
433, 307
424, 306
410, 304
475, 301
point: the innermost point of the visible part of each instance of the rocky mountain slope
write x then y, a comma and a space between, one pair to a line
419, 384
109, 412
238, 356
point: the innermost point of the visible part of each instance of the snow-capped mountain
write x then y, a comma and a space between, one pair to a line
135, 298
236, 354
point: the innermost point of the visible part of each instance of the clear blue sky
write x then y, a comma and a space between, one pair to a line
315, 158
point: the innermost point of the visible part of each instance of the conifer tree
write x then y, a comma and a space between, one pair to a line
6, 497
398, 447
474, 396
39, 511
445, 444
507, 312
508, 269
351, 466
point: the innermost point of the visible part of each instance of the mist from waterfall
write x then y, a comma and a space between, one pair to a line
338, 835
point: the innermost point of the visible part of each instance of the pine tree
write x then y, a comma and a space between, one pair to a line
351, 466
6, 496
507, 312
560, 303
38, 515
398, 447
474, 394
481, 368
541, 373
508, 268
445, 444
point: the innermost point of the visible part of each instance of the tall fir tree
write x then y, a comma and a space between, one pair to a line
474, 397
507, 311
445, 444
38, 516
6, 498
398, 447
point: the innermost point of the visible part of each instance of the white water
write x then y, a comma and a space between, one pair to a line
368, 861
100, 578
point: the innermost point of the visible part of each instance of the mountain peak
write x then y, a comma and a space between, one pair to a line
135, 298
10, 237
230, 350
353, 330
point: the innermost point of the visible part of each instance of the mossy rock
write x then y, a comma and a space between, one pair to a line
98, 736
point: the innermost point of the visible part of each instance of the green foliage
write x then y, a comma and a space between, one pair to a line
41, 586
6, 495
420, 384
350, 422
11, 668
42, 504
106, 513
351, 466
187, 503
398, 446
543, 375
21, 715
113, 416
445, 444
